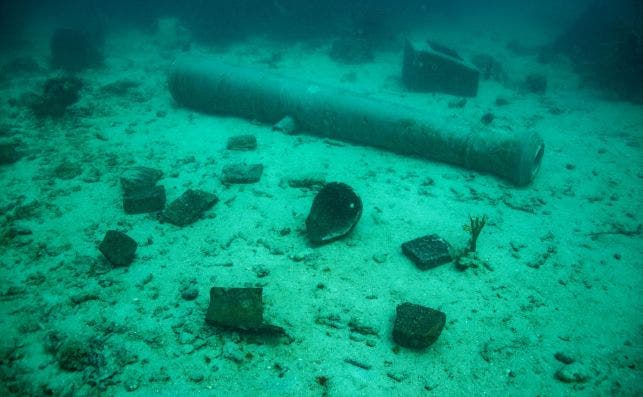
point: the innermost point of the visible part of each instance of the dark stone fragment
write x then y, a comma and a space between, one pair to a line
429, 70
564, 358
138, 178
118, 248
487, 118
242, 142
309, 181
427, 252
575, 372
417, 326
190, 294
147, 199
8, 153
83, 297
189, 207
236, 307
242, 173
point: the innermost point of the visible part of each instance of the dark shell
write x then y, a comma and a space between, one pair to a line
334, 213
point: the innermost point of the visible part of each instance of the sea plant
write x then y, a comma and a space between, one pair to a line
466, 257
474, 228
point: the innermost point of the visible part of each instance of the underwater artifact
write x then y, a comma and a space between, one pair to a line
206, 84
417, 326
118, 248
335, 211
437, 68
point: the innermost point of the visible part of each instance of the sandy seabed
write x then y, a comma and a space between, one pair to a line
551, 307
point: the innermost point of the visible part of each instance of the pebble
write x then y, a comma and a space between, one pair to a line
131, 384
564, 358
573, 373
380, 258
196, 377
185, 338
190, 294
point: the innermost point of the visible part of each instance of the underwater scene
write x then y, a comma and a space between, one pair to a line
321, 198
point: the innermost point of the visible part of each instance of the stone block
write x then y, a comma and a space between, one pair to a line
438, 69
236, 308
118, 248
242, 142
189, 207
137, 178
417, 326
428, 251
241, 173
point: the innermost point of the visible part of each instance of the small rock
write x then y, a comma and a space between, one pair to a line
131, 384
241, 173
232, 352
564, 358
428, 251
189, 207
308, 181
380, 258
186, 338
137, 178
197, 377
417, 326
302, 255
242, 142
573, 373
286, 125
190, 294
487, 118
118, 248
235, 307
83, 297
